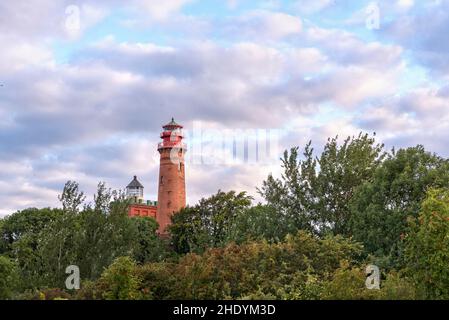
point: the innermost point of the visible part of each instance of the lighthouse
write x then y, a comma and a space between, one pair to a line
172, 187
138, 207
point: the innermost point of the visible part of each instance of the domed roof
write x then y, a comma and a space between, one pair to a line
172, 124
135, 183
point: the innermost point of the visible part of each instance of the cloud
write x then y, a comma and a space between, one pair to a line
43, 19
347, 49
19, 54
263, 25
406, 4
134, 87
70, 20
423, 33
161, 10
97, 116
312, 6
420, 117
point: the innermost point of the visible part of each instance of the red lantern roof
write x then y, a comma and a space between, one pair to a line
172, 125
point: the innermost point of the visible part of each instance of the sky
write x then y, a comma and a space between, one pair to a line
85, 86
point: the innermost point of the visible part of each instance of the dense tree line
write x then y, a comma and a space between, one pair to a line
324, 219
41, 243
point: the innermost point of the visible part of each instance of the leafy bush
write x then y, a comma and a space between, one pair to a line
427, 246
285, 270
120, 281
9, 278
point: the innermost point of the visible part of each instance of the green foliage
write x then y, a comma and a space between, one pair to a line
324, 219
71, 198
26, 222
380, 208
93, 238
20, 238
148, 247
258, 223
44, 242
55, 252
313, 194
209, 223
50, 294
427, 246
348, 284
88, 291
292, 269
120, 280
3, 243
158, 280
395, 287
105, 232
283, 270
9, 278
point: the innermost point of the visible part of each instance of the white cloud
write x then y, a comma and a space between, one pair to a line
420, 117
161, 10
279, 25
407, 4
78, 19
312, 6
257, 69
18, 54
423, 32
264, 25
47, 19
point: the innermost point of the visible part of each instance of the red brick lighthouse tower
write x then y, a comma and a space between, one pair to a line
172, 186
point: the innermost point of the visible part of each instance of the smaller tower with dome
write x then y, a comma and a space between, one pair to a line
134, 190
139, 207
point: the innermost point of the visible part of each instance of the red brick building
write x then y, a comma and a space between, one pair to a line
172, 189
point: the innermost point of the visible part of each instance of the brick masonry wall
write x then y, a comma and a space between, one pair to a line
172, 189
142, 210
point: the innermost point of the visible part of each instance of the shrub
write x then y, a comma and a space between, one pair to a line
120, 281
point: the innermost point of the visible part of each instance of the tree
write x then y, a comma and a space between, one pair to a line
158, 280
313, 194
209, 223
56, 250
120, 280
284, 270
259, 223
71, 197
20, 236
148, 247
3, 243
348, 283
26, 222
45, 241
104, 232
380, 207
426, 252
93, 237
9, 278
